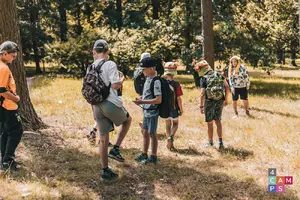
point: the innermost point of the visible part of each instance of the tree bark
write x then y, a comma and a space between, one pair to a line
279, 55
10, 30
155, 6
207, 31
170, 6
63, 21
120, 17
34, 12
294, 44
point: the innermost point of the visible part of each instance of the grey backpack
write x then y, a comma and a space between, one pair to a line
94, 89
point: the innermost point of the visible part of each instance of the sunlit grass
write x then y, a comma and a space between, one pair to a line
60, 163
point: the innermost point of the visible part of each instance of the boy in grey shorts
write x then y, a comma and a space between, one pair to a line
111, 110
150, 101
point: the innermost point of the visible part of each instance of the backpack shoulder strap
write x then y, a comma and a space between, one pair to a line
152, 84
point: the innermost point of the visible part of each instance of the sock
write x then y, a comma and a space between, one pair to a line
220, 141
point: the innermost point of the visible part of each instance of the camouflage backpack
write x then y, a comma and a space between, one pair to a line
94, 89
215, 86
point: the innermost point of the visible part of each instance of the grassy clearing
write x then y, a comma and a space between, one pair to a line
60, 163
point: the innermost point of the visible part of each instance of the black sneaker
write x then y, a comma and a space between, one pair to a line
141, 157
108, 175
151, 159
10, 165
114, 153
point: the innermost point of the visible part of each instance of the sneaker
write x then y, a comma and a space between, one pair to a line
209, 144
221, 146
141, 157
10, 165
108, 175
151, 159
114, 153
92, 137
247, 112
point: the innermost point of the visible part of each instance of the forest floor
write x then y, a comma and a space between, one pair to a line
59, 162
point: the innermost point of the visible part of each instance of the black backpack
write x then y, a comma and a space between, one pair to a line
139, 77
168, 97
94, 89
138, 80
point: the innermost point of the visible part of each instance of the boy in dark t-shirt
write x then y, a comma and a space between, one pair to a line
212, 101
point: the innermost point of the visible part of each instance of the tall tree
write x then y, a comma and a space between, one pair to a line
155, 6
62, 9
10, 30
120, 16
207, 31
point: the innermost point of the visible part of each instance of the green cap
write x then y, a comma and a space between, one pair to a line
8, 47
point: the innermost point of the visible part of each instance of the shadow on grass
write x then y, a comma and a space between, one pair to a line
190, 152
241, 154
275, 112
285, 90
56, 163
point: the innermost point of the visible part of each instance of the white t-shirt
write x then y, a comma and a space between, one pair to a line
110, 74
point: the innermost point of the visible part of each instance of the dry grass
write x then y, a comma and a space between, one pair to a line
60, 163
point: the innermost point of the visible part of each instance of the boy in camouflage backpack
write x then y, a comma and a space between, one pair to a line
214, 94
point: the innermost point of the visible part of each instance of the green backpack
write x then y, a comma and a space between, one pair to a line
215, 86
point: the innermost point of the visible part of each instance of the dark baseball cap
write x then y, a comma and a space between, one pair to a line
101, 44
147, 62
8, 47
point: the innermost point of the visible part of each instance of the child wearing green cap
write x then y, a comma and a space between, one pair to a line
212, 98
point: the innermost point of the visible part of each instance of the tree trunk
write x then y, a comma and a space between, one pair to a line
155, 6
293, 52
78, 26
207, 31
34, 12
9, 20
120, 17
188, 41
63, 22
170, 6
279, 55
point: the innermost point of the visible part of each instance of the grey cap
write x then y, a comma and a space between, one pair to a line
8, 47
101, 44
145, 55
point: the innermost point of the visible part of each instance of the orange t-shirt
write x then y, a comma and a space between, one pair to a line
7, 83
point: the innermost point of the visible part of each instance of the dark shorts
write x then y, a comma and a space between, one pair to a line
174, 114
150, 124
242, 92
213, 110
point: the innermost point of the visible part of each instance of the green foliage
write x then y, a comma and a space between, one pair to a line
255, 30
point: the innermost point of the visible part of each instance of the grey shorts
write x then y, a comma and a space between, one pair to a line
150, 124
213, 110
106, 114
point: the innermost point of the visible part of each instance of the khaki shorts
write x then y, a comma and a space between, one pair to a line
106, 114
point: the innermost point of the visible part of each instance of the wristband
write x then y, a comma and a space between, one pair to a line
201, 106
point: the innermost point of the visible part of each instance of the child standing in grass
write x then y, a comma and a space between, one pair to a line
149, 100
212, 99
173, 121
239, 83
